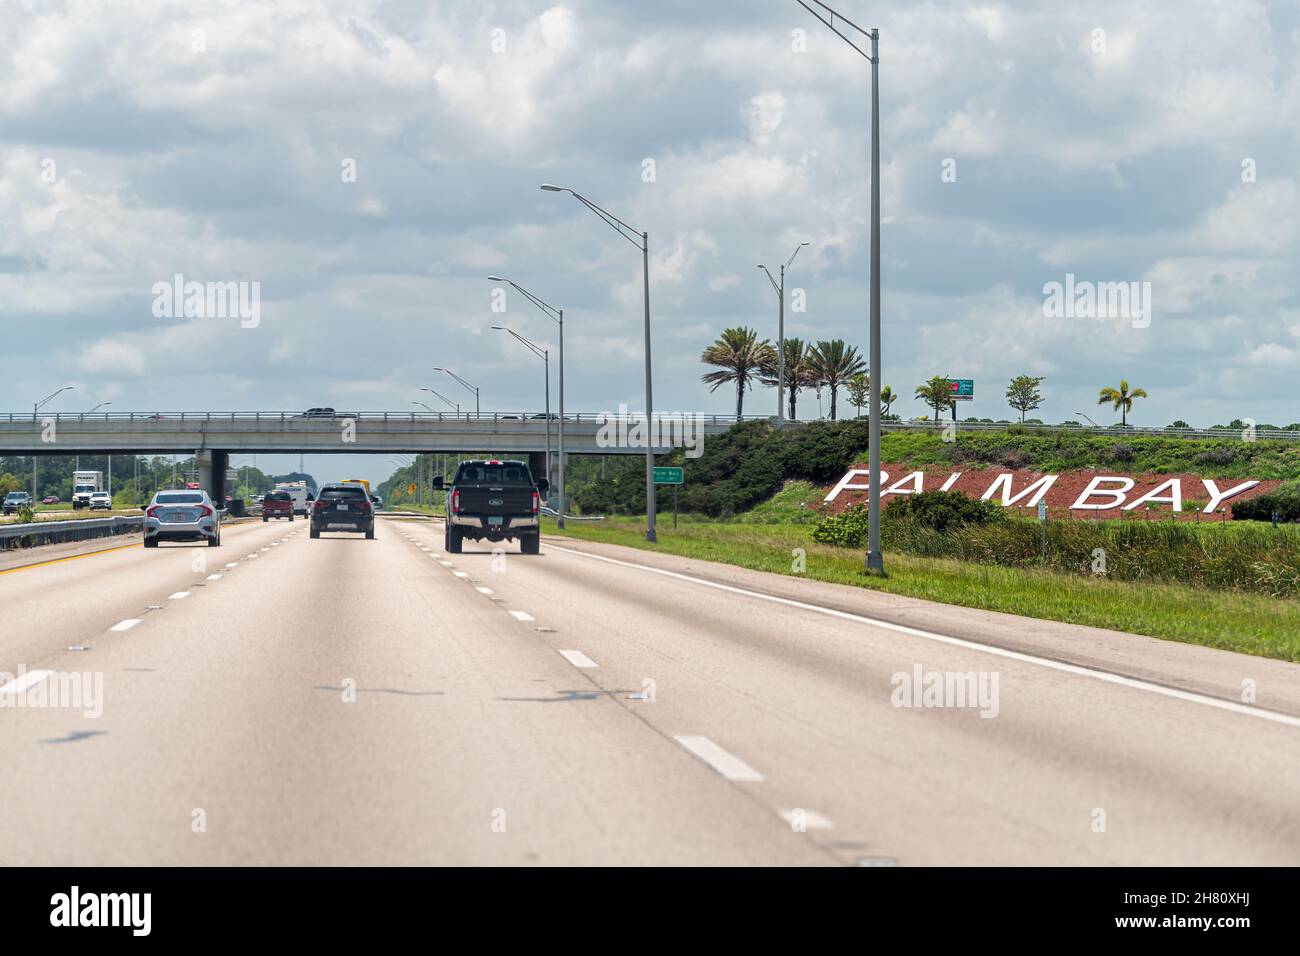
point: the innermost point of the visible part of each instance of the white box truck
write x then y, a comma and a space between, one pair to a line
297, 490
85, 484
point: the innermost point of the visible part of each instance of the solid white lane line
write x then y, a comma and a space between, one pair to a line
126, 625
178, 596
1131, 682
808, 819
484, 590
521, 616
23, 682
578, 659
727, 764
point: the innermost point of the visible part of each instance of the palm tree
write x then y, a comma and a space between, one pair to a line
1121, 399
797, 372
887, 398
832, 363
937, 393
740, 358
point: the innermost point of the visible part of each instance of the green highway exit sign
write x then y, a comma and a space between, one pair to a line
670, 476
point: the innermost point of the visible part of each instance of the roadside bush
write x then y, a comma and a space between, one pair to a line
1285, 503
941, 510
848, 529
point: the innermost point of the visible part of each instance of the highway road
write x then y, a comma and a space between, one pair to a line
284, 700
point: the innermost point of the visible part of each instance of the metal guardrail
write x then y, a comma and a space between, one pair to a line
81, 529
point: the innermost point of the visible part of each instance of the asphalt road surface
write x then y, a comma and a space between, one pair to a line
284, 700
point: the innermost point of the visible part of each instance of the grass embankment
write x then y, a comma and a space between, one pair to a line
1250, 624
55, 513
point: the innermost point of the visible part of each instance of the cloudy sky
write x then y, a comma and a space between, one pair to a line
369, 163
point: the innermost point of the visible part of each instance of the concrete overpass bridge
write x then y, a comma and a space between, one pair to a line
212, 437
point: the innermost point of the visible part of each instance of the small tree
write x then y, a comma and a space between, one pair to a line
9, 483
937, 393
887, 398
859, 391
1023, 394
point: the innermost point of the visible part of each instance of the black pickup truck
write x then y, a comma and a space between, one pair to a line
496, 500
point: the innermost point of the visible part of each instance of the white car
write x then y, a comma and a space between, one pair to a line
182, 516
101, 501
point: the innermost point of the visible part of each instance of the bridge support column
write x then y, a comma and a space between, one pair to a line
212, 467
537, 465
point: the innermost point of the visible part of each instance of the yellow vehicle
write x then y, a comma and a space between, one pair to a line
358, 481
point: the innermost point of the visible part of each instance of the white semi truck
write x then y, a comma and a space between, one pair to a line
85, 484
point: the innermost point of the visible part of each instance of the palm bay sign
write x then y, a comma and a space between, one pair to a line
1078, 493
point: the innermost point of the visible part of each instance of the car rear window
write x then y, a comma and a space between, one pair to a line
493, 474
192, 498
343, 494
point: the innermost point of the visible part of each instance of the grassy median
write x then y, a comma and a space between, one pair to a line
1234, 621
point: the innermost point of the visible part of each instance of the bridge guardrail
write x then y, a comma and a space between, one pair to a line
80, 529
527, 418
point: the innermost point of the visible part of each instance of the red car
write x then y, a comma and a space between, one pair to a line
277, 504
50, 500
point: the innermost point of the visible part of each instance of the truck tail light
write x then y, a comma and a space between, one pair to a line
455, 501
537, 502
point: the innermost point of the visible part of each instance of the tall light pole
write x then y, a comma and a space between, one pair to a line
545, 356
110, 454
36, 407
875, 558
472, 388
780, 331
642, 240
556, 315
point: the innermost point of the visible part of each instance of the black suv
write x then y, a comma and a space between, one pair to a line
496, 500
342, 508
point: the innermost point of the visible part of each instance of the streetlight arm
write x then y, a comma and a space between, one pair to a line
611, 220
53, 395
831, 25
550, 310
472, 388
775, 288
540, 352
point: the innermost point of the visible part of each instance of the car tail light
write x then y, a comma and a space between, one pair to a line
320, 504
151, 511
207, 511
455, 502
537, 502
363, 505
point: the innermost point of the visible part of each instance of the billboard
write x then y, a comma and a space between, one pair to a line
963, 389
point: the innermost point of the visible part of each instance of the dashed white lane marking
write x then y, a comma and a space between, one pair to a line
233, 564
484, 590
727, 764
126, 625
214, 577
807, 819
461, 574
1003, 652
23, 682
445, 564
521, 615
578, 659
178, 596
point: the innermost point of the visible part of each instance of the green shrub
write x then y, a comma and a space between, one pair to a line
1284, 503
941, 510
848, 529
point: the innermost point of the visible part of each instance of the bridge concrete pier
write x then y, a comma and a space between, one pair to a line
212, 467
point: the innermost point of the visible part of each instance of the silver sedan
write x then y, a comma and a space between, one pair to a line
182, 516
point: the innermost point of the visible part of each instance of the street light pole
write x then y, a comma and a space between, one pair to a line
875, 560
455, 405
556, 315
545, 356
780, 331
472, 388
36, 407
642, 240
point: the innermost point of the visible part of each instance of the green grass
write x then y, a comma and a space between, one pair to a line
55, 513
1249, 624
